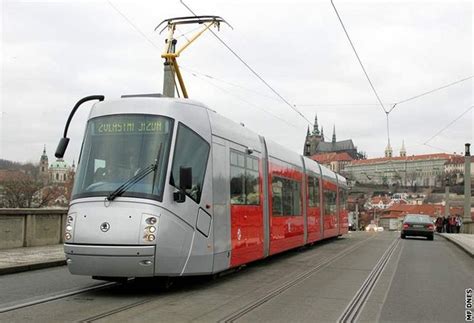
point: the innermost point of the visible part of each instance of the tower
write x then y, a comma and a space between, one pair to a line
315, 126
334, 134
403, 151
388, 150
43, 166
312, 139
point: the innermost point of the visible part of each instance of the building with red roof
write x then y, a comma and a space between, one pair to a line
334, 161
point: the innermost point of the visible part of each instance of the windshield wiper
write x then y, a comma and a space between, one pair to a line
136, 178
132, 181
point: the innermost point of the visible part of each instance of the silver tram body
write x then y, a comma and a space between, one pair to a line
146, 231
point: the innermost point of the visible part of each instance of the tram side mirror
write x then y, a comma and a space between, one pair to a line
61, 147
179, 196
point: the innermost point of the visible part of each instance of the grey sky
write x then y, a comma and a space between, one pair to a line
55, 52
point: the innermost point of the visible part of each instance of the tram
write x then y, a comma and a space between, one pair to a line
168, 187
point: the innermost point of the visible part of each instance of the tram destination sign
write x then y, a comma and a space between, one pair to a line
130, 126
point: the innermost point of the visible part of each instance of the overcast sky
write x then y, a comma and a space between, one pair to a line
55, 52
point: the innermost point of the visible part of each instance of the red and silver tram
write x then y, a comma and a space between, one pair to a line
168, 187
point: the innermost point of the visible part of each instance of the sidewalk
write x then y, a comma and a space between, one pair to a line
23, 259
462, 240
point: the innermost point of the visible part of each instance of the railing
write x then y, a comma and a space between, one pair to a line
31, 227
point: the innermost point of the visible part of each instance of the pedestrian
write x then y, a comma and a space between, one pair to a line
452, 224
439, 224
458, 223
445, 225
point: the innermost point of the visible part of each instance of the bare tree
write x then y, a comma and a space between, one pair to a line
19, 192
23, 191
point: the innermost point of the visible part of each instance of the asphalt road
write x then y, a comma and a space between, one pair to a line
405, 281
429, 283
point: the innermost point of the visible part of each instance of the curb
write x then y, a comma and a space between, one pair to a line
457, 243
28, 267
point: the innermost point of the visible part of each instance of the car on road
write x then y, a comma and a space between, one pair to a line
419, 225
371, 227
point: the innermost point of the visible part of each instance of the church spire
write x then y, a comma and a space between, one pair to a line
388, 150
322, 133
334, 133
44, 156
308, 133
403, 151
315, 126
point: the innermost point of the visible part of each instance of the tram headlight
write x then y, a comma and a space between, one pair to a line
69, 219
68, 227
150, 237
149, 227
151, 220
67, 236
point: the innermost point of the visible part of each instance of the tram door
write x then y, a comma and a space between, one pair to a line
343, 214
313, 208
330, 217
246, 207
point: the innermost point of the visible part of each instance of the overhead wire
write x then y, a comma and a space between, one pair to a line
247, 102
132, 24
393, 104
366, 74
448, 125
358, 58
292, 106
431, 91
228, 83
182, 35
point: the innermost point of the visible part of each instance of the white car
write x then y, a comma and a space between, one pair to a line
371, 227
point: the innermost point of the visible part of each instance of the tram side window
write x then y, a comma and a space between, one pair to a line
313, 191
286, 197
244, 179
329, 202
190, 151
342, 199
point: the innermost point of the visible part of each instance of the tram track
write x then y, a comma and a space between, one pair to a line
290, 283
321, 264
116, 310
55, 297
355, 306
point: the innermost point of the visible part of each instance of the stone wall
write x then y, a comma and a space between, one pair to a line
31, 227
468, 227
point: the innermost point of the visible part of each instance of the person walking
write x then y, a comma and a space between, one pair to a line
458, 223
452, 224
445, 225
439, 224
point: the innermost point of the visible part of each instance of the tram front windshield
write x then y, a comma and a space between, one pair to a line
116, 148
